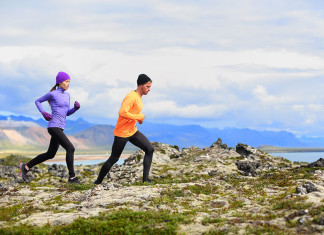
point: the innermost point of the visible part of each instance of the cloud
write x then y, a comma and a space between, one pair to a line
235, 63
261, 94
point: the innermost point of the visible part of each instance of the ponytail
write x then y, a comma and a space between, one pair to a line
53, 88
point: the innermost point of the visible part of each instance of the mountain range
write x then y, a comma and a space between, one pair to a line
26, 133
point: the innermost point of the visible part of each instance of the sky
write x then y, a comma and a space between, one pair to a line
255, 64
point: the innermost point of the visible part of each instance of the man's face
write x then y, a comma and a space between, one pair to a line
145, 88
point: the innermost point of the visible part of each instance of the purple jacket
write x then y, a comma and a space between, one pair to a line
60, 105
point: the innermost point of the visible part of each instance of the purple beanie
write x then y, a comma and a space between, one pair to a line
61, 77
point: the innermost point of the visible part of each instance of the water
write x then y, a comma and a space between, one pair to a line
308, 157
85, 162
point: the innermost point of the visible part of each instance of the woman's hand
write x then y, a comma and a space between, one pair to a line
76, 105
47, 116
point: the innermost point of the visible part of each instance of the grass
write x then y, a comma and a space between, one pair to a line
296, 203
206, 189
115, 222
14, 160
9, 213
265, 229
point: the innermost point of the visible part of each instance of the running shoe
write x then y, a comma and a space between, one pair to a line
147, 180
23, 172
74, 180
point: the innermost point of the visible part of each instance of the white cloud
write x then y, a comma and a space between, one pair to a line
251, 63
168, 108
261, 94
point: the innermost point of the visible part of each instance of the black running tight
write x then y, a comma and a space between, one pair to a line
57, 138
139, 140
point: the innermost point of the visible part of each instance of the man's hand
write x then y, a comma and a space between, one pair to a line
140, 121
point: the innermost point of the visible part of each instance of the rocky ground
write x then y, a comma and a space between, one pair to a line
215, 190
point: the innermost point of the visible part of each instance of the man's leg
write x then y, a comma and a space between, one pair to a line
116, 151
140, 140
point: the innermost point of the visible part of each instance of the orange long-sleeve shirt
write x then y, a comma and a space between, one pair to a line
129, 114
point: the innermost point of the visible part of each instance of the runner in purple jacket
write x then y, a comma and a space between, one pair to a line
59, 101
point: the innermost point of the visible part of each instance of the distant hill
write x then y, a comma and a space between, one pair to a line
72, 126
27, 132
183, 136
231, 136
99, 135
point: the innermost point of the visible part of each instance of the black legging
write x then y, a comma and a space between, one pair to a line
57, 138
139, 140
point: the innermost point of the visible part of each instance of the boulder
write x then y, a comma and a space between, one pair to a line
318, 163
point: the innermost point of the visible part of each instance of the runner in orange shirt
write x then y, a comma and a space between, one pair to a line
126, 130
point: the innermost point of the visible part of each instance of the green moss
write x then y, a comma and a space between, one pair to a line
236, 204
14, 160
168, 196
78, 187
208, 220
9, 213
266, 229
297, 203
87, 174
56, 200
206, 189
116, 222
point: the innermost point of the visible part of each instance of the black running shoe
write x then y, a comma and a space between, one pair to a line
147, 180
74, 180
23, 172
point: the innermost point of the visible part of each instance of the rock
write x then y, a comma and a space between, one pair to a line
219, 143
212, 172
301, 220
8, 171
218, 204
306, 188
3, 187
245, 150
202, 158
296, 213
321, 220
303, 212
301, 190
318, 163
310, 187
58, 170
248, 167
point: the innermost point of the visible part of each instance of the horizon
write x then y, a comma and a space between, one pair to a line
237, 64
179, 125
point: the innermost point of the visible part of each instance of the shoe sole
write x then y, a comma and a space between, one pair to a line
21, 177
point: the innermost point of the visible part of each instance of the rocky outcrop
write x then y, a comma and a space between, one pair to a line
219, 189
318, 163
255, 161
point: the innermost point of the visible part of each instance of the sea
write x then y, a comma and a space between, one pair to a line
86, 162
308, 157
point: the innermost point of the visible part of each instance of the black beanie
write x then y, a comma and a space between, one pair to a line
142, 79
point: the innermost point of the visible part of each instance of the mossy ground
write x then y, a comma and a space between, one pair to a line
222, 203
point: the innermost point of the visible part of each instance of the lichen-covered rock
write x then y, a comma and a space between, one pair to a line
211, 187
318, 163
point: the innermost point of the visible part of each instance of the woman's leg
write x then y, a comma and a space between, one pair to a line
62, 139
140, 140
117, 149
52, 149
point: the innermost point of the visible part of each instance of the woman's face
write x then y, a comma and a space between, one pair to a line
65, 84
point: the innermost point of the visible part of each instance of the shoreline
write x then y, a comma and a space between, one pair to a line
60, 158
